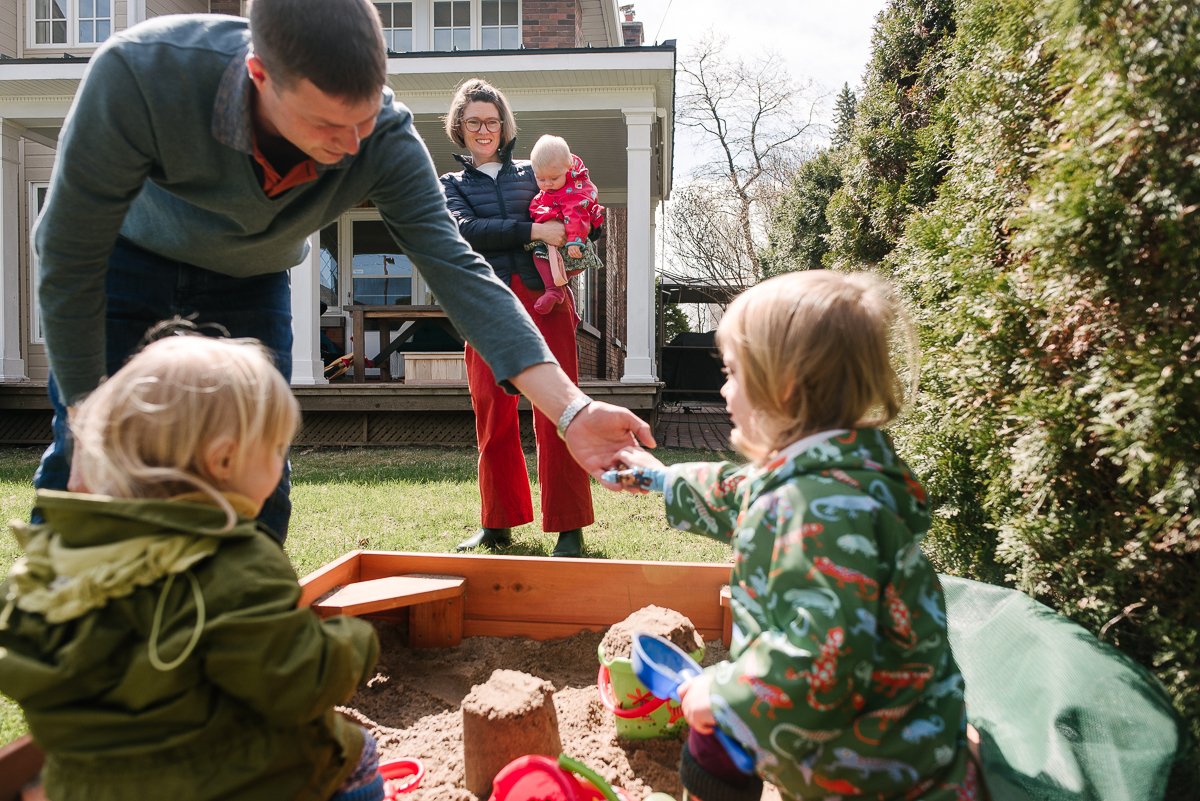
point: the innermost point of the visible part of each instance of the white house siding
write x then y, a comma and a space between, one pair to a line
156, 8
8, 29
39, 160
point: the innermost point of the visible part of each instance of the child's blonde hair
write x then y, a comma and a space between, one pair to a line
813, 353
145, 432
550, 151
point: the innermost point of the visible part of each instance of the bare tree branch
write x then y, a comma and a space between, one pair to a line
759, 120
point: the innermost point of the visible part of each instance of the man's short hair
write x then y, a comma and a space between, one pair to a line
336, 44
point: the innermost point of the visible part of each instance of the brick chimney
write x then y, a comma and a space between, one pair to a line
631, 29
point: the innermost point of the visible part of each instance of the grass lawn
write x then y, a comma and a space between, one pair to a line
403, 499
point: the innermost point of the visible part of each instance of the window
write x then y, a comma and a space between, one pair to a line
361, 264
70, 23
330, 278
37, 199
452, 25
476, 24
499, 28
585, 287
382, 275
397, 19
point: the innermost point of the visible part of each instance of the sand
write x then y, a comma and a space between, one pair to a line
412, 705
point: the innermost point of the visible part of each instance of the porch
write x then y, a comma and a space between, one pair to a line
614, 104
347, 413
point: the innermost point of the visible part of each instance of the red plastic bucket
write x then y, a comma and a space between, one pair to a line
638, 714
401, 776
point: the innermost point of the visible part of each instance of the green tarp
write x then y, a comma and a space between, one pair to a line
1061, 715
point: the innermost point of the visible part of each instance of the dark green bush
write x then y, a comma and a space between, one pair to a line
798, 234
894, 158
1031, 180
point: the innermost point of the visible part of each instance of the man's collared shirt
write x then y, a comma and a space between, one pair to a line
233, 125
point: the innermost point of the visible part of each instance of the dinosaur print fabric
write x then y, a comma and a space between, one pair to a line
840, 679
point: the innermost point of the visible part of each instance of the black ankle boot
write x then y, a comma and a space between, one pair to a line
488, 537
570, 544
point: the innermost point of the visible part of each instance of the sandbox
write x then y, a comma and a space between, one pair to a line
459, 617
542, 617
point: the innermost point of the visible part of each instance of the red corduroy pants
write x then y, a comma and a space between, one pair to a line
505, 497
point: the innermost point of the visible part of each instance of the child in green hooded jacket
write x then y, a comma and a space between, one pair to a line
840, 681
150, 630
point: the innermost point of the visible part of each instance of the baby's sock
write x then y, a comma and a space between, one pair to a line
550, 298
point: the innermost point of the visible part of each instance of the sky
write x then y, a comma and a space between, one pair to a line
828, 41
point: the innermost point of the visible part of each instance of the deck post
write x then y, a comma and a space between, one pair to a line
307, 367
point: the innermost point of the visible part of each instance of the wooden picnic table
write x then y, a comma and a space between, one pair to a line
387, 318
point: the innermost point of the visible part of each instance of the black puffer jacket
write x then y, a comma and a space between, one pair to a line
493, 216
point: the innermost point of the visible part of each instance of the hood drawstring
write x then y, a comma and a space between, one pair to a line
156, 626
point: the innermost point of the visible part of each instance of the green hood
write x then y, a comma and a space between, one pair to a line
150, 643
93, 548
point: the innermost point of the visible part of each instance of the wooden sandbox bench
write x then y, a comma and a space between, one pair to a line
434, 604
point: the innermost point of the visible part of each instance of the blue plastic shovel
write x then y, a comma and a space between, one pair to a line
662, 666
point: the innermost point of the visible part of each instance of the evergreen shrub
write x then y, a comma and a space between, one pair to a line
1049, 245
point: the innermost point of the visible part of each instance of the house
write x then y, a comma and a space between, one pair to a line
576, 68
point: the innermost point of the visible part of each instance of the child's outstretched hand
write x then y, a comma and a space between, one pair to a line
646, 479
574, 251
636, 470
695, 696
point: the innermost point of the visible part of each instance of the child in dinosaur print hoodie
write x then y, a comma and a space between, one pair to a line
840, 680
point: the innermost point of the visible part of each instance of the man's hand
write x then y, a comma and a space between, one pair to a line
599, 433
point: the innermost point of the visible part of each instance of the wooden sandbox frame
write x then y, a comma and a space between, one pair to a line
500, 596
545, 599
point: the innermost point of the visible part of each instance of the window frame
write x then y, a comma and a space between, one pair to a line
421, 295
72, 23
585, 286
412, 23
36, 336
476, 26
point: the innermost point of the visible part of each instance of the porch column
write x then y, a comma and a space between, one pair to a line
655, 334
306, 317
639, 299
12, 366
136, 11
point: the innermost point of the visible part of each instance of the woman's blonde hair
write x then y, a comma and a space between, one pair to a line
813, 353
470, 91
145, 432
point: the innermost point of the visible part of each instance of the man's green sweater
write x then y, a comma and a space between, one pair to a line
157, 148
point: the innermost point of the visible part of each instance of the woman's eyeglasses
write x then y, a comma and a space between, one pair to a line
476, 125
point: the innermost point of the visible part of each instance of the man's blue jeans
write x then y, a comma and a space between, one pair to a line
143, 289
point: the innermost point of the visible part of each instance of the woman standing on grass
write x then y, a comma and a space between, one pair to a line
490, 198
